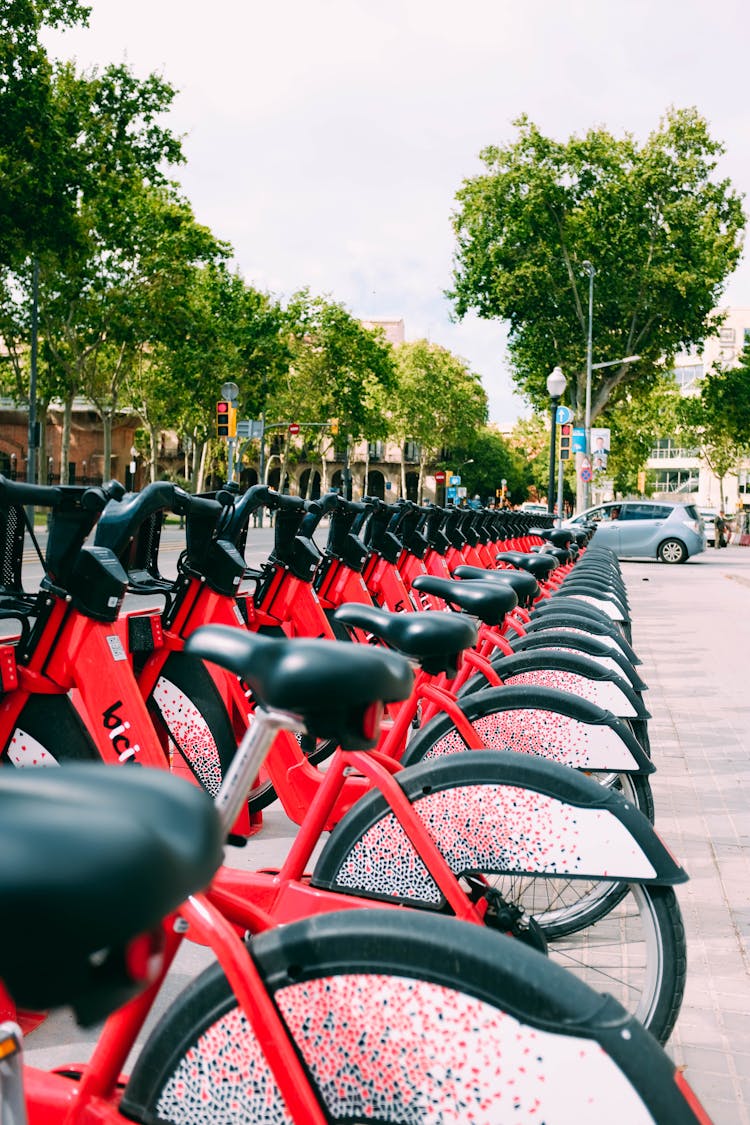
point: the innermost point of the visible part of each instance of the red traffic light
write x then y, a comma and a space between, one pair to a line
566, 432
222, 418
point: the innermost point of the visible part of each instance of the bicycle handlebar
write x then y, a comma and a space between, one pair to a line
36, 495
75, 509
121, 519
90, 499
96, 498
329, 504
239, 511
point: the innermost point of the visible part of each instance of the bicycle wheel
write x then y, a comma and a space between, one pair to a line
187, 708
396, 1021
48, 732
530, 838
562, 907
627, 940
546, 722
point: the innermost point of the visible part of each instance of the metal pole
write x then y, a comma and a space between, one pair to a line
552, 441
32, 442
589, 356
262, 460
346, 477
230, 459
560, 467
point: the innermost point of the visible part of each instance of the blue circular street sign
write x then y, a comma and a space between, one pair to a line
564, 415
586, 474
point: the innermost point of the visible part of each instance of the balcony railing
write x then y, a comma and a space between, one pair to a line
675, 453
689, 484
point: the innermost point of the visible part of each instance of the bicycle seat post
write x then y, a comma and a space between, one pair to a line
247, 761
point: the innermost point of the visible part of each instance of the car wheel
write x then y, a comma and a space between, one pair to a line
672, 551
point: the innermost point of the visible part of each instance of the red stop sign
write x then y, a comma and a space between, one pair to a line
294, 428
440, 477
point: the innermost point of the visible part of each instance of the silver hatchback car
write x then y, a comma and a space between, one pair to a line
650, 528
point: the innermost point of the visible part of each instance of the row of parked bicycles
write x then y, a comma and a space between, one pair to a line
447, 700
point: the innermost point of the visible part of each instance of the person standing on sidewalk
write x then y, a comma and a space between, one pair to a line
720, 538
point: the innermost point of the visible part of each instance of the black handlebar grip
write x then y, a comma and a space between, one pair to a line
19, 492
95, 499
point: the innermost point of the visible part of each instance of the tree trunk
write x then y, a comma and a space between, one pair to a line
153, 443
194, 471
284, 461
366, 481
202, 468
43, 473
65, 435
420, 482
107, 445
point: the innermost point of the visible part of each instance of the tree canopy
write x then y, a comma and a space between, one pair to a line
487, 460
717, 419
661, 229
39, 159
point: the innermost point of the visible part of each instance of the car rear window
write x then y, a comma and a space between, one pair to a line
692, 511
645, 511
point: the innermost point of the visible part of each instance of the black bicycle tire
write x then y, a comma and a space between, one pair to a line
475, 824
194, 1063
185, 678
53, 723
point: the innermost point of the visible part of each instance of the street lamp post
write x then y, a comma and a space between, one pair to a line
589, 269
556, 384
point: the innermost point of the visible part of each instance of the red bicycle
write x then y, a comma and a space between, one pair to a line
369, 997
658, 994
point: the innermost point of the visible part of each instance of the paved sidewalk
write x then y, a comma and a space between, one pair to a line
691, 628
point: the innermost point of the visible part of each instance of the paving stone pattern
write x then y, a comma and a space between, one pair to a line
691, 628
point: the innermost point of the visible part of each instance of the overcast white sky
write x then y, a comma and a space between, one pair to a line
326, 139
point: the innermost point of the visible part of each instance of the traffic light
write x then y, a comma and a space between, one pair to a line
223, 409
565, 438
226, 419
334, 425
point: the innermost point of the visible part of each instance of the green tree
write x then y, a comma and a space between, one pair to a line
643, 416
493, 460
337, 368
529, 440
662, 231
39, 161
718, 418
90, 287
725, 398
208, 329
438, 403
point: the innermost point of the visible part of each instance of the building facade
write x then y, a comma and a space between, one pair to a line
681, 472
